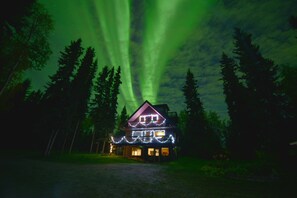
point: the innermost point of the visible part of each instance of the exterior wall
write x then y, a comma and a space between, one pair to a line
127, 152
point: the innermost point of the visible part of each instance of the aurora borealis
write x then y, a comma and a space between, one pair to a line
156, 41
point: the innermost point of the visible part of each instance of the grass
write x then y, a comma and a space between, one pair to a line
255, 168
211, 178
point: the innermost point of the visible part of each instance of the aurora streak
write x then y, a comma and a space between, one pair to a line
168, 23
156, 41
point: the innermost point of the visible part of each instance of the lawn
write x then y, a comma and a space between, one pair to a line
91, 175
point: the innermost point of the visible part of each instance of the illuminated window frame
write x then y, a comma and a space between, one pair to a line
150, 151
154, 116
136, 151
153, 152
165, 150
142, 119
156, 135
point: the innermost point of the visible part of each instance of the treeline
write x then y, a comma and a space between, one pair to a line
261, 100
77, 108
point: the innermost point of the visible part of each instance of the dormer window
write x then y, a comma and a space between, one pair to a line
154, 118
148, 118
142, 119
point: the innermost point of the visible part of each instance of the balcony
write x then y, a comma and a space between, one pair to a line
143, 140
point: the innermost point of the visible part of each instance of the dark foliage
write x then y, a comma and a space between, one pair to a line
254, 100
103, 107
121, 122
293, 22
24, 42
240, 139
198, 139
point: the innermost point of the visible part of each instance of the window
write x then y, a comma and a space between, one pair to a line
159, 134
154, 118
148, 118
150, 151
136, 151
147, 134
157, 152
153, 152
136, 134
142, 119
165, 151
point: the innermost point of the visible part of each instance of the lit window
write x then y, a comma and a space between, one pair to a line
150, 151
165, 151
157, 152
153, 152
159, 134
136, 151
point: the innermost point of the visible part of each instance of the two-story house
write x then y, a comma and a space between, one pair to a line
149, 134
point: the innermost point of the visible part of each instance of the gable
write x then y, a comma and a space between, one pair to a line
146, 113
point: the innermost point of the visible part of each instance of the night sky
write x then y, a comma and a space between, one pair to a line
156, 41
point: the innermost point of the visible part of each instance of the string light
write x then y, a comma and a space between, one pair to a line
110, 148
144, 124
142, 118
152, 133
143, 140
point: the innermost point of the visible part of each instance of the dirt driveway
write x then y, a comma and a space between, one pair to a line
29, 178
22, 178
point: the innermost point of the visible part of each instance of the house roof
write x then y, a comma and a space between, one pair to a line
161, 106
142, 108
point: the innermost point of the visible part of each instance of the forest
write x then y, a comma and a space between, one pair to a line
78, 108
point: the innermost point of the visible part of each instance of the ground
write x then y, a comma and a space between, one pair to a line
26, 177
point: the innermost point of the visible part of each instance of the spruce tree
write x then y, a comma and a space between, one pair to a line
104, 104
99, 101
260, 77
121, 122
193, 140
115, 90
80, 92
57, 90
241, 139
55, 102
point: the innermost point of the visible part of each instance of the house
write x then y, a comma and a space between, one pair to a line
150, 134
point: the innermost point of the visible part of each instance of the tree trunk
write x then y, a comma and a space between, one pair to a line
48, 144
97, 148
93, 137
51, 142
103, 146
54, 139
64, 143
9, 78
71, 145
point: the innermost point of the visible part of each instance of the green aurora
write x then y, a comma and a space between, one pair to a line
156, 41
